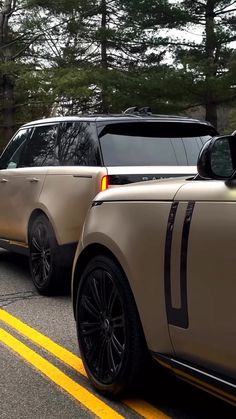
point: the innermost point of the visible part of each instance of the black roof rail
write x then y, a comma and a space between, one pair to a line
145, 110
135, 111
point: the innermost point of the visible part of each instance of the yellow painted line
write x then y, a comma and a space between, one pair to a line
91, 402
145, 409
139, 406
58, 351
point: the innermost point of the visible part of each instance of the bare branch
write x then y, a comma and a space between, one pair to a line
224, 12
25, 48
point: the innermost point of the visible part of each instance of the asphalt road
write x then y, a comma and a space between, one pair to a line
41, 372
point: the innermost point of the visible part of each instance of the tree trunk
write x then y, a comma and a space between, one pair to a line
211, 113
8, 108
7, 83
104, 62
211, 67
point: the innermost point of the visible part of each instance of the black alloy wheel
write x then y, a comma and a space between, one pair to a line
109, 331
43, 256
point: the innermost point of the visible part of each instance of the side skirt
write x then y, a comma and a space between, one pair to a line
14, 246
66, 251
207, 380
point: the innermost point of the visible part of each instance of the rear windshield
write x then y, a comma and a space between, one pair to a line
153, 143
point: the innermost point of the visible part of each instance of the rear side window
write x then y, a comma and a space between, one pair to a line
153, 143
77, 145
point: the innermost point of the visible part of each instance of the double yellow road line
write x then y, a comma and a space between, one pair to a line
97, 406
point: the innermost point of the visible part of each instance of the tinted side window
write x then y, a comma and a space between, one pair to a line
7, 159
77, 145
40, 149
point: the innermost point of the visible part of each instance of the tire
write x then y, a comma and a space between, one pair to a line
110, 335
45, 269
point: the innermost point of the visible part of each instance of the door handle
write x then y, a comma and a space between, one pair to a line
33, 179
4, 180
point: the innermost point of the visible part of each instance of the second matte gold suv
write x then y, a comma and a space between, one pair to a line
52, 169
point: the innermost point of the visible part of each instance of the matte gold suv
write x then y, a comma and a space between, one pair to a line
155, 275
52, 169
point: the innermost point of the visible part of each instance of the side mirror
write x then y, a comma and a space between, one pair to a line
217, 158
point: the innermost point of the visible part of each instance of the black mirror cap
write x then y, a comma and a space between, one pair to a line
205, 164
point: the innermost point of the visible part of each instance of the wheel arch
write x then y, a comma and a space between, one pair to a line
89, 252
35, 213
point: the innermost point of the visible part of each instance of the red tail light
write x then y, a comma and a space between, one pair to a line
104, 183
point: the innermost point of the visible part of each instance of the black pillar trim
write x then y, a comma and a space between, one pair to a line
177, 316
167, 262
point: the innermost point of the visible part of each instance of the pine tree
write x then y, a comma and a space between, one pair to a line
208, 66
106, 56
18, 68
204, 71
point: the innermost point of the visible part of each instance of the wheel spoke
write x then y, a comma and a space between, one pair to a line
90, 328
119, 348
103, 290
100, 364
90, 307
39, 278
110, 359
36, 244
35, 256
91, 353
39, 234
112, 299
44, 272
47, 252
47, 265
95, 293
118, 321
44, 236
36, 267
